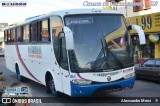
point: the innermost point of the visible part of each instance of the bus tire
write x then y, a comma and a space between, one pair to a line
51, 85
19, 77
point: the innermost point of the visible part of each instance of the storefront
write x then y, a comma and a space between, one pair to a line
150, 23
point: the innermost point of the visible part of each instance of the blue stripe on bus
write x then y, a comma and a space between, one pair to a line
88, 90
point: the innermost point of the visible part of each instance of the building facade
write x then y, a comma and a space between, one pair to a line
2, 26
146, 13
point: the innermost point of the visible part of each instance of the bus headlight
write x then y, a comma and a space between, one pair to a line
129, 75
81, 82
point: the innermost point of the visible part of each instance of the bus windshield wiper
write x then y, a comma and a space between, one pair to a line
115, 57
105, 47
102, 52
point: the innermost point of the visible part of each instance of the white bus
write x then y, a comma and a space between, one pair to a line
77, 52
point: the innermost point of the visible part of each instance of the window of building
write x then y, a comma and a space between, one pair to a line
26, 33
12, 35
44, 31
34, 30
137, 8
147, 4
19, 34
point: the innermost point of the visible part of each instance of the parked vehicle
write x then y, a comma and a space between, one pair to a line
150, 69
1, 52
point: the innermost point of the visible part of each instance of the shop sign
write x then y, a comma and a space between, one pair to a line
153, 38
148, 22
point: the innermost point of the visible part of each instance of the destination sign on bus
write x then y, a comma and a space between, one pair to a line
79, 21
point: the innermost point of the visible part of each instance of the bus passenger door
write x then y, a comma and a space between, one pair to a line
66, 81
60, 54
64, 67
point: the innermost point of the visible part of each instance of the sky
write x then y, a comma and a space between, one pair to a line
37, 7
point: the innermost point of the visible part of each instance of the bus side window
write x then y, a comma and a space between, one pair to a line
19, 34
8, 36
26, 33
56, 28
5, 36
44, 31
63, 54
60, 52
34, 32
12, 35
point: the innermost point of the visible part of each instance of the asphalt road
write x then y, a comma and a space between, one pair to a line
142, 88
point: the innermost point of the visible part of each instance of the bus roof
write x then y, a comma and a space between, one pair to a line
62, 13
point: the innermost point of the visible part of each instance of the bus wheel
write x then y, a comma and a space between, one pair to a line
19, 77
51, 86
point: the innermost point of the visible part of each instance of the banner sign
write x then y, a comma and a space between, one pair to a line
148, 22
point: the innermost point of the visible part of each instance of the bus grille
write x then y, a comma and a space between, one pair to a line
108, 89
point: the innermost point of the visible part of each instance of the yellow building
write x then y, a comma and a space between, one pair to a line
150, 23
2, 26
148, 17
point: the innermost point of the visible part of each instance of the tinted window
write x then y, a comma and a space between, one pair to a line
44, 31
157, 63
34, 30
5, 36
149, 63
19, 34
63, 58
12, 35
97, 45
26, 33
8, 36
56, 28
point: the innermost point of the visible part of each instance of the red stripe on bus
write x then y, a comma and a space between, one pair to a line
80, 76
23, 64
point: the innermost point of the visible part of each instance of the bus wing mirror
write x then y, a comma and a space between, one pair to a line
69, 38
140, 32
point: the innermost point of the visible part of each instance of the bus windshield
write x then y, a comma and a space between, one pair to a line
101, 43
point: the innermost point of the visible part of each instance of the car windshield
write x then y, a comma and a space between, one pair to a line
101, 43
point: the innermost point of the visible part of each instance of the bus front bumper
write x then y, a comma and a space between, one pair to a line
88, 90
